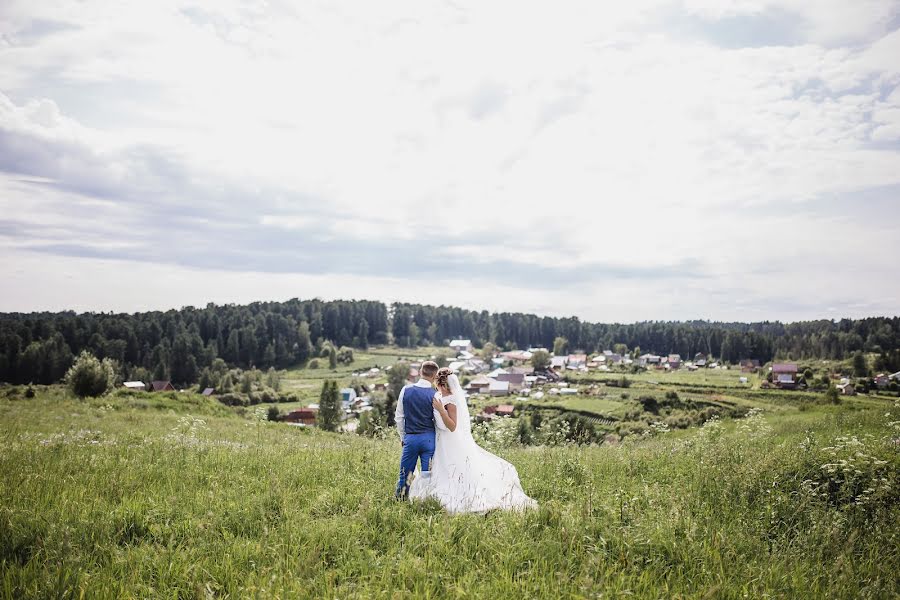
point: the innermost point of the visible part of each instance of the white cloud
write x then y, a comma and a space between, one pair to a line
586, 137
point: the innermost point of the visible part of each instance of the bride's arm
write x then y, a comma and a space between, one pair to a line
448, 413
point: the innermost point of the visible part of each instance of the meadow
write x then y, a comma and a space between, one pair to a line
177, 496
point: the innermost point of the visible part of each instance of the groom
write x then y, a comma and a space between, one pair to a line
415, 424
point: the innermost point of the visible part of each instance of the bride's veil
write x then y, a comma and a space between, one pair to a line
463, 422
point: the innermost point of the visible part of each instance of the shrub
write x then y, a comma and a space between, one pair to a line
89, 376
313, 364
273, 414
29, 392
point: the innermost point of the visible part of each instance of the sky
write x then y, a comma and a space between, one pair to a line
645, 160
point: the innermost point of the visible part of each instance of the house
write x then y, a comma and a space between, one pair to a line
784, 375
498, 388
749, 365
647, 360
208, 392
894, 376
516, 380
596, 361
348, 395
504, 410
882, 380
162, 386
568, 392
558, 362
478, 385
673, 361
521, 370
461, 345
457, 365
516, 356
576, 360
846, 389
137, 386
493, 374
303, 416
475, 365
465, 355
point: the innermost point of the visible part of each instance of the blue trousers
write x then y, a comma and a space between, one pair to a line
416, 446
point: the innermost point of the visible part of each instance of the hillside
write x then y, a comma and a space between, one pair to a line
178, 495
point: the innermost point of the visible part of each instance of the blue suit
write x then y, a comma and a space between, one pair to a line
415, 423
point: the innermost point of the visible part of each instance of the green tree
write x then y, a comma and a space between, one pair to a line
540, 360
364, 334
560, 346
303, 347
329, 416
487, 352
860, 367
832, 395
273, 379
90, 377
332, 358
397, 378
345, 355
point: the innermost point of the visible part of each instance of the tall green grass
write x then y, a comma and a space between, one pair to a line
117, 498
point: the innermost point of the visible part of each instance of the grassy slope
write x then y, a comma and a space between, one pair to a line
104, 497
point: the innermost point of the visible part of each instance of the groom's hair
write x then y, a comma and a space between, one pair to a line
429, 369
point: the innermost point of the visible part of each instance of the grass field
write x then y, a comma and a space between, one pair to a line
180, 497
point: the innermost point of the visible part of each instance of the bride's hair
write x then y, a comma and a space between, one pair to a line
443, 376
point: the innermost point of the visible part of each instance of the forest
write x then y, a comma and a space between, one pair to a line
178, 344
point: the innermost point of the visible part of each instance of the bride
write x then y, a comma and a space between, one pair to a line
464, 476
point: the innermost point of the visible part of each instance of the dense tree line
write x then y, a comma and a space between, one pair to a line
180, 344
416, 324
183, 344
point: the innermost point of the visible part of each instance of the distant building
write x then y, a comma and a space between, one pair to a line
162, 386
784, 375
516, 356
504, 410
304, 416
647, 360
137, 386
462, 345
498, 388
882, 380
348, 395
749, 365
576, 360
846, 389
479, 385
208, 392
516, 380
673, 361
558, 362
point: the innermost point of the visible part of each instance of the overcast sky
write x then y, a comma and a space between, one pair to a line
734, 160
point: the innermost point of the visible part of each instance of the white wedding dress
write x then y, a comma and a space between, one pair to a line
464, 476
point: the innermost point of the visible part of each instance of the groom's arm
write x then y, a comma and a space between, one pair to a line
399, 419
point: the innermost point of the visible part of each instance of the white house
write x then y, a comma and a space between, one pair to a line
462, 345
348, 395
135, 385
499, 388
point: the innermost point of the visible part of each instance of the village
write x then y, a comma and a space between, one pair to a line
509, 378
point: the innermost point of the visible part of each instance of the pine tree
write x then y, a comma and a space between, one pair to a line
329, 416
